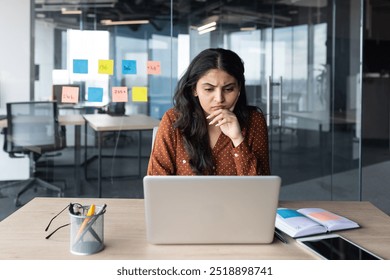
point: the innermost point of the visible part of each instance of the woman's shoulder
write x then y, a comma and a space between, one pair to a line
170, 116
256, 113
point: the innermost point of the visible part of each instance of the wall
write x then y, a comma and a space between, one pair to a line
14, 52
14, 73
44, 58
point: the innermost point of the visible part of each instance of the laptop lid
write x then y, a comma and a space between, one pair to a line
210, 209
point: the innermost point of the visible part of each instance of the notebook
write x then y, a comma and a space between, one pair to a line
210, 209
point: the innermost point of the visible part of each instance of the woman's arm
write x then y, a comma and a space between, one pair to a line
163, 155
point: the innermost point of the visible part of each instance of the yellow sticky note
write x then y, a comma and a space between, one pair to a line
106, 67
119, 94
140, 94
70, 95
154, 68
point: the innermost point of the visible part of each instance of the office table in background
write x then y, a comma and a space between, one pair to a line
105, 123
22, 234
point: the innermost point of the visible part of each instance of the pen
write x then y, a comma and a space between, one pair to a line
89, 227
280, 237
91, 212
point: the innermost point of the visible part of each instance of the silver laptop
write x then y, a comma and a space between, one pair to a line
210, 209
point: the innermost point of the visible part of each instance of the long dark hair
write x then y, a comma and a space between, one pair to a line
191, 120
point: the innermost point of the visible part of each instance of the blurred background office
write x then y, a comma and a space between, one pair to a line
319, 69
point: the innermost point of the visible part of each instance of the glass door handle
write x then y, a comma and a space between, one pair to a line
270, 85
280, 100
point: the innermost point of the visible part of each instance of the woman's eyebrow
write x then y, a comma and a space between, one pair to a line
227, 85
208, 84
230, 84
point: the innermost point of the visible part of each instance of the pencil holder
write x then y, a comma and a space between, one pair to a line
87, 230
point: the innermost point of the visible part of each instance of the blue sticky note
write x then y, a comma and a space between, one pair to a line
80, 66
288, 213
129, 67
95, 94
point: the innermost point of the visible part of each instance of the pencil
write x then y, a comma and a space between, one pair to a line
91, 212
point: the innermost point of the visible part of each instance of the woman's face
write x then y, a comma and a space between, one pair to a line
217, 90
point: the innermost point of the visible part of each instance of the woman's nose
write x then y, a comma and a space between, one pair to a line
219, 96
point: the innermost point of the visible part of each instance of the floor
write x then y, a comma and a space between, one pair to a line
121, 180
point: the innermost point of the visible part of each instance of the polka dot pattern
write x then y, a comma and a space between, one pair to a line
169, 156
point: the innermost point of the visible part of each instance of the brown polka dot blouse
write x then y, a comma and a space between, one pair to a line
169, 156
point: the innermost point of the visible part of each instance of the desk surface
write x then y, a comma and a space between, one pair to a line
22, 234
75, 119
105, 122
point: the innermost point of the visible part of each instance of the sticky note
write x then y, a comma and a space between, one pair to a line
80, 66
119, 94
106, 67
70, 94
95, 94
140, 94
324, 216
153, 68
288, 213
129, 67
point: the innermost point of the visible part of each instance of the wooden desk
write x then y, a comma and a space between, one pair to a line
22, 234
68, 120
103, 122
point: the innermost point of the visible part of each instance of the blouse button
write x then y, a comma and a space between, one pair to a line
184, 161
236, 155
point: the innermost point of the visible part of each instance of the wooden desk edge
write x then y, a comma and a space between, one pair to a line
142, 250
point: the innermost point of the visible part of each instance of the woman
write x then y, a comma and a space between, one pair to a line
211, 130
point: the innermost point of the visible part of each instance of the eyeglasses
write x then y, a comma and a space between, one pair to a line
74, 209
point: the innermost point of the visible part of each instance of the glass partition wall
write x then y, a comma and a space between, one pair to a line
302, 61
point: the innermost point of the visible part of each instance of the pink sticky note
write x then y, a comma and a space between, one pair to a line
119, 94
70, 94
154, 68
324, 216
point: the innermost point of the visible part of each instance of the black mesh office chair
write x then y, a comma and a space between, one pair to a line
33, 130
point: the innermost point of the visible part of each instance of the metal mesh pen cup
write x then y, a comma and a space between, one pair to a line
87, 232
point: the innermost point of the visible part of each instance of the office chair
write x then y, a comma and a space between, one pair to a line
33, 130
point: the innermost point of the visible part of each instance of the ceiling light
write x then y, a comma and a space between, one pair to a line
248, 28
64, 11
207, 30
123, 22
207, 26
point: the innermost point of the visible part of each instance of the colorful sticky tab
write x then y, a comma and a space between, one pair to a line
288, 213
140, 94
106, 67
119, 94
95, 94
153, 68
80, 66
70, 94
129, 67
324, 216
